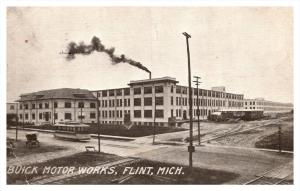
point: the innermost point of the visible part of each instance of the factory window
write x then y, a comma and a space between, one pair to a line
172, 100
121, 113
68, 116
137, 101
47, 105
33, 116
176, 112
185, 101
137, 113
109, 103
119, 92
92, 115
12, 107
178, 90
104, 93
176, 100
55, 116
40, 106
55, 104
40, 115
179, 101
92, 105
117, 102
111, 92
148, 90
20, 106
136, 91
184, 90
33, 106
172, 115
26, 115
80, 105
159, 113
200, 92
21, 116
128, 102
109, 114
120, 102
148, 113
125, 102
209, 93
67, 104
159, 89
148, 101
159, 100
127, 91
172, 89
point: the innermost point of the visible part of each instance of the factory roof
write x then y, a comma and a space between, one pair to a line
153, 80
62, 93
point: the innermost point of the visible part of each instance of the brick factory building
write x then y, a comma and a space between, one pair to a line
137, 103
58, 105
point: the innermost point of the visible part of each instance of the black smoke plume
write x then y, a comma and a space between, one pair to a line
96, 45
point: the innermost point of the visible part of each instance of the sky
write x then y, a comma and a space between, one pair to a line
248, 50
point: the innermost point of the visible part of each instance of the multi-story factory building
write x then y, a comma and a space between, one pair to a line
160, 100
267, 106
58, 105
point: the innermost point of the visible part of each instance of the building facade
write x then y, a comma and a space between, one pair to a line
58, 105
145, 102
267, 106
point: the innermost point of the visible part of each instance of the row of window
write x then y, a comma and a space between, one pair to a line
47, 115
136, 91
136, 102
55, 105
183, 113
136, 113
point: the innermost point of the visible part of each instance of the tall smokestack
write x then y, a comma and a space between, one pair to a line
96, 45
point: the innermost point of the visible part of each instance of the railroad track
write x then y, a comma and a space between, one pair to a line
263, 180
233, 131
61, 179
273, 177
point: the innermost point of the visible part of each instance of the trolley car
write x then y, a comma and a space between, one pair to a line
72, 131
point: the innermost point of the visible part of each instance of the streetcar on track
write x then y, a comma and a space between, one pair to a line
72, 131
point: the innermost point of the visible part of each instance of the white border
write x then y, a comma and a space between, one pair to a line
78, 3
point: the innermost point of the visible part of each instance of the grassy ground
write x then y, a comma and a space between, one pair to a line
198, 176
76, 160
272, 141
136, 131
21, 150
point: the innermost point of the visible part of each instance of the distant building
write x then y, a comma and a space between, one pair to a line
267, 106
162, 98
51, 106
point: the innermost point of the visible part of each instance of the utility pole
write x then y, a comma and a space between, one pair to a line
98, 121
198, 111
17, 120
279, 138
154, 119
191, 148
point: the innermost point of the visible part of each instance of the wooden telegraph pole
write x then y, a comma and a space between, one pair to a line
98, 121
191, 148
198, 111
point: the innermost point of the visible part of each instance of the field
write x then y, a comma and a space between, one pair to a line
264, 136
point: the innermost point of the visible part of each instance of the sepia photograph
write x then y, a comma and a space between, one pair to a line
149, 95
